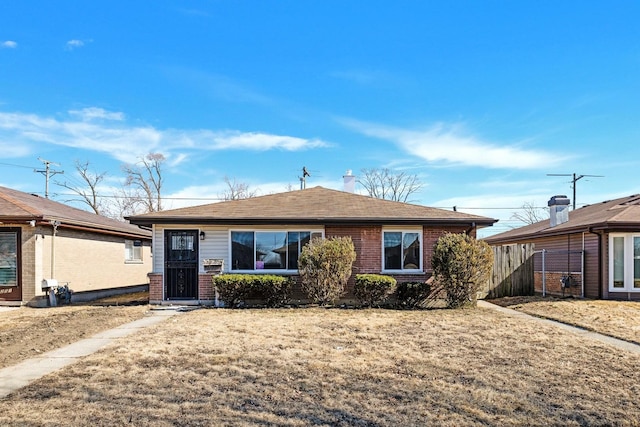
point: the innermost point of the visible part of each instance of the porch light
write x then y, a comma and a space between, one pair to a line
202, 235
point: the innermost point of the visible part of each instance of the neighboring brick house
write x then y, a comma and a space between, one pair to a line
597, 245
41, 239
266, 234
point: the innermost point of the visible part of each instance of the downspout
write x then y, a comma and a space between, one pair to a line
582, 266
473, 226
600, 282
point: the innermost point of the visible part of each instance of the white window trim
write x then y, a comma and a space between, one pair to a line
280, 271
420, 268
628, 262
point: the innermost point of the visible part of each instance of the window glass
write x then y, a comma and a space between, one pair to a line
392, 250
271, 250
618, 262
242, 250
296, 241
411, 251
8, 259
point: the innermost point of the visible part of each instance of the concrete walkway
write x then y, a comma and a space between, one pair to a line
622, 344
17, 376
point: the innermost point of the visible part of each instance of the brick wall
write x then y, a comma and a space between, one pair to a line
156, 293
554, 283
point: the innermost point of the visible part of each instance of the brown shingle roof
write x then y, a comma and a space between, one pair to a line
312, 205
619, 214
16, 207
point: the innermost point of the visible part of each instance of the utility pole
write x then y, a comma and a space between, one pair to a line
47, 172
575, 179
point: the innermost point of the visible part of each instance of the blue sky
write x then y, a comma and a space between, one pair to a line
480, 99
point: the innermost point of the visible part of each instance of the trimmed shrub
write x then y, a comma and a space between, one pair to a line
373, 289
325, 267
412, 294
461, 264
235, 289
273, 290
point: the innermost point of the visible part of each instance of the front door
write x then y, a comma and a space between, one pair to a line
10, 280
181, 264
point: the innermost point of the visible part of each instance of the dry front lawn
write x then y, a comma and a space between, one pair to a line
333, 367
28, 332
620, 319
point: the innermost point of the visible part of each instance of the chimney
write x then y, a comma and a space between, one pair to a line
558, 210
349, 182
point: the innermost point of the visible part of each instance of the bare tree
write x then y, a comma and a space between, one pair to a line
145, 181
88, 192
237, 190
384, 184
530, 214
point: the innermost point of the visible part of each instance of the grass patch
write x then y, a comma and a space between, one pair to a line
29, 332
619, 319
333, 367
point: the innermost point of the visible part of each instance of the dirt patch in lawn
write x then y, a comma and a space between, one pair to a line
332, 367
28, 332
620, 319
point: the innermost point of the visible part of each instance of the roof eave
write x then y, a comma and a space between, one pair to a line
479, 222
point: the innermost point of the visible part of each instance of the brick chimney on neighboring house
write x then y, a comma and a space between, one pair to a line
349, 182
558, 210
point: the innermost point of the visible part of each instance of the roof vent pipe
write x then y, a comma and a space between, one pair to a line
349, 182
558, 210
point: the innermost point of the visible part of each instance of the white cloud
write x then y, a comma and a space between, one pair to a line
92, 113
235, 140
451, 145
116, 138
9, 44
76, 43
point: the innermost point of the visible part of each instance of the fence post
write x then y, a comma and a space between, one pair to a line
544, 275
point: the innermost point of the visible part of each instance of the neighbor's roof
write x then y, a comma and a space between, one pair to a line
619, 214
17, 207
316, 205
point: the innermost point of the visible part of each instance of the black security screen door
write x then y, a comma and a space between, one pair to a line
181, 264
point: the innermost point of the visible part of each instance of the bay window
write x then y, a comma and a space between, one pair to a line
402, 250
269, 249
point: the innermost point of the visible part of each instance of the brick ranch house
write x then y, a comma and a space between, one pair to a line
41, 239
265, 235
599, 245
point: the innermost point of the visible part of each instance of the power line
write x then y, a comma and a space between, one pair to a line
575, 179
17, 166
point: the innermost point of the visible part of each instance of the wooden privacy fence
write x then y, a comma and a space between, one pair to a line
512, 273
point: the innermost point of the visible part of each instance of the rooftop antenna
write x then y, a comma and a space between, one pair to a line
303, 178
575, 179
47, 172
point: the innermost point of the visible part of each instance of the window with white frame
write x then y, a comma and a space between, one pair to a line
268, 249
133, 250
402, 250
624, 262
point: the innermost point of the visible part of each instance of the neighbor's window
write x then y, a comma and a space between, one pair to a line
268, 250
8, 259
624, 262
402, 250
132, 250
